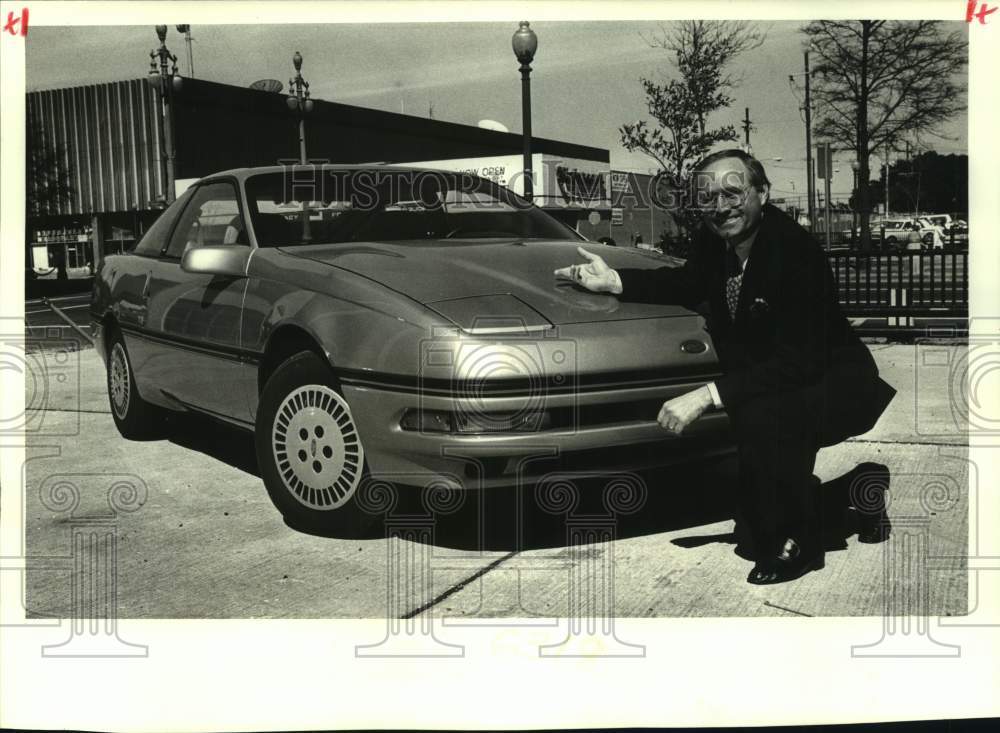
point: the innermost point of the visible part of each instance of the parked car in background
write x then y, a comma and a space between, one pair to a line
390, 322
897, 232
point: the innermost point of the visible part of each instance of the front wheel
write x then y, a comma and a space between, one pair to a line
308, 448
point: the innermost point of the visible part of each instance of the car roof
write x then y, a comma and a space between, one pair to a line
244, 173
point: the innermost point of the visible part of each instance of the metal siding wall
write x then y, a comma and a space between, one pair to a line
51, 128
75, 141
108, 137
146, 108
154, 111
31, 115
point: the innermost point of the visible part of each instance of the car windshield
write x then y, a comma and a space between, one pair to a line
311, 205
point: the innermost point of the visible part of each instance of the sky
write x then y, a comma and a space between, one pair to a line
584, 83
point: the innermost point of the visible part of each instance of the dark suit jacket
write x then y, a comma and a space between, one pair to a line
789, 331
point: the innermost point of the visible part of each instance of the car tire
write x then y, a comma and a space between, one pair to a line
309, 452
135, 418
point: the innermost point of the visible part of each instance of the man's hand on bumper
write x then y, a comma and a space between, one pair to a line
678, 413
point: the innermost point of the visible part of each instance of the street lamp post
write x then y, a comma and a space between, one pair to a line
164, 78
186, 30
525, 43
299, 101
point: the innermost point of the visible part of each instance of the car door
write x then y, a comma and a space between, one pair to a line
130, 277
195, 318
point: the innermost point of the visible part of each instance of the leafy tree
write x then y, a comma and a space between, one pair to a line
932, 183
878, 82
702, 53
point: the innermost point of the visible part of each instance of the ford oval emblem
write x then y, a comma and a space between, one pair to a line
693, 346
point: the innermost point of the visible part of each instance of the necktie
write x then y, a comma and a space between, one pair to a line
734, 279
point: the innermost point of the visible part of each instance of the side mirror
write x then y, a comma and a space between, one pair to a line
229, 260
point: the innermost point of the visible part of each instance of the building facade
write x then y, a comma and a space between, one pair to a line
98, 159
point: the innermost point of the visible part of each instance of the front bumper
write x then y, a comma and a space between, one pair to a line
611, 430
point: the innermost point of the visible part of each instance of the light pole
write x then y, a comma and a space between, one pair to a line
889, 147
299, 101
164, 78
525, 43
810, 187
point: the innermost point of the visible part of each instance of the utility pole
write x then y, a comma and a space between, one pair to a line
909, 163
746, 130
887, 178
828, 160
809, 159
824, 170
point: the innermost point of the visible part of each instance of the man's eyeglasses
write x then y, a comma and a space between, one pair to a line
729, 198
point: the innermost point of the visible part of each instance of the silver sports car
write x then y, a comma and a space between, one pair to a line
385, 321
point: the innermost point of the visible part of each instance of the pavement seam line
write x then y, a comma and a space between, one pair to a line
87, 412
902, 442
458, 586
789, 610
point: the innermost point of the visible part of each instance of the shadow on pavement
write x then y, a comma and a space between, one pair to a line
35, 288
520, 518
512, 518
222, 442
848, 503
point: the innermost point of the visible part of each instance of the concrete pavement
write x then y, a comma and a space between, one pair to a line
206, 541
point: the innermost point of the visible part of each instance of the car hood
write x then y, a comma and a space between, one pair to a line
465, 280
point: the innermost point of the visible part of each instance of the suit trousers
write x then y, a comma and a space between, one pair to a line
778, 436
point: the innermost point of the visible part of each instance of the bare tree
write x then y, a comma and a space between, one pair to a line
702, 52
47, 183
47, 176
878, 82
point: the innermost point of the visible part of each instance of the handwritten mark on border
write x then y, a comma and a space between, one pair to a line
11, 26
984, 10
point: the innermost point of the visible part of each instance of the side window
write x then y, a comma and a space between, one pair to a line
212, 217
155, 237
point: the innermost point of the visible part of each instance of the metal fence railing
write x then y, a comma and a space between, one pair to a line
901, 286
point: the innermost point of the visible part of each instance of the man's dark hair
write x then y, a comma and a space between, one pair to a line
758, 177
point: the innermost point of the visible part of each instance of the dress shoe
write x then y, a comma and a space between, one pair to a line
791, 563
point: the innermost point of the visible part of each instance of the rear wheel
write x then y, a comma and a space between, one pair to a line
308, 448
134, 417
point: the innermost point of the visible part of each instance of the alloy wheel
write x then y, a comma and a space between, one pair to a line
119, 383
316, 447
